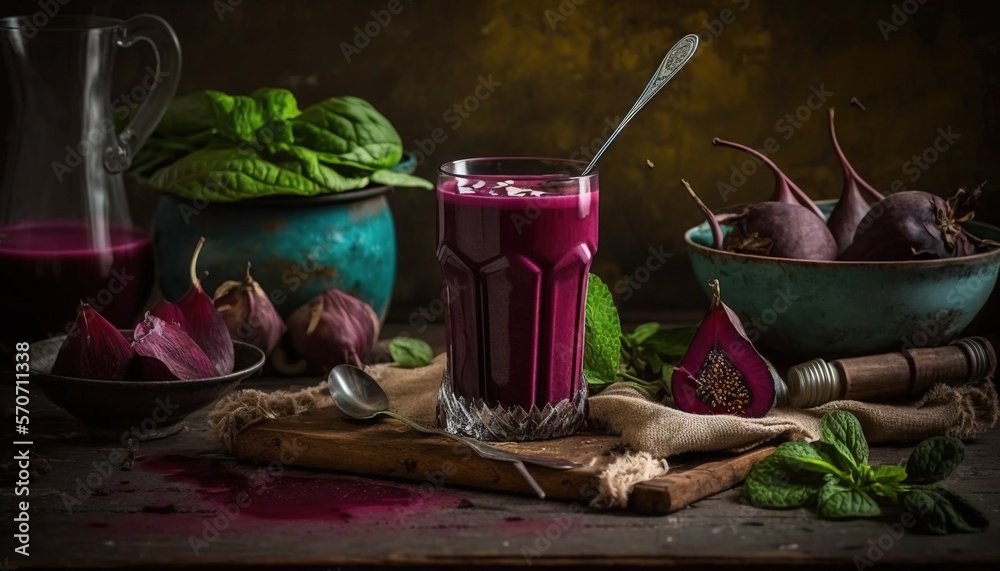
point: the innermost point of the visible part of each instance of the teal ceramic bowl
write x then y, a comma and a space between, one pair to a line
804, 309
298, 246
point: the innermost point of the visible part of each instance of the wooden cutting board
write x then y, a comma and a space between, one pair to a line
324, 438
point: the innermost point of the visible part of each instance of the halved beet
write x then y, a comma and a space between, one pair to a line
167, 353
204, 323
722, 373
168, 312
95, 349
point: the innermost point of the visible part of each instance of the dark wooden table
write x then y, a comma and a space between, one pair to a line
169, 504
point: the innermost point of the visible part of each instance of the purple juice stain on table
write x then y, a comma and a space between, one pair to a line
49, 267
287, 494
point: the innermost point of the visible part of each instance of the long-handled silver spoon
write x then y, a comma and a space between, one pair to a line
680, 54
359, 396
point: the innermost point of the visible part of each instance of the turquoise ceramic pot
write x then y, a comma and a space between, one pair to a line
805, 310
298, 247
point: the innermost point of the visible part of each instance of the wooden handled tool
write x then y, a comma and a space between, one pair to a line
910, 371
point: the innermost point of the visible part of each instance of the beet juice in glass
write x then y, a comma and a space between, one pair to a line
516, 237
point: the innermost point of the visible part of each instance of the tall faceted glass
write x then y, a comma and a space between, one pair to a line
516, 237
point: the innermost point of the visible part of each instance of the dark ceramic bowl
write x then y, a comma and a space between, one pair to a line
143, 410
803, 310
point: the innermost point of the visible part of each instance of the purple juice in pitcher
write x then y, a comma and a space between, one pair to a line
515, 242
49, 267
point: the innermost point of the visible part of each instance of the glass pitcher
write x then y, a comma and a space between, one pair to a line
65, 231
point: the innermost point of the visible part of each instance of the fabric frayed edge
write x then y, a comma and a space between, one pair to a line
243, 409
976, 406
615, 484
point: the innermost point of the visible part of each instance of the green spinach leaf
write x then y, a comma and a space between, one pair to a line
186, 115
219, 147
303, 161
410, 353
399, 180
256, 119
238, 118
225, 175
350, 129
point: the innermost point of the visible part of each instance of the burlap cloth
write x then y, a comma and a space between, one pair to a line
651, 430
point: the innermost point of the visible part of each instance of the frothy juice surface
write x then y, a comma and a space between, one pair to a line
49, 267
515, 255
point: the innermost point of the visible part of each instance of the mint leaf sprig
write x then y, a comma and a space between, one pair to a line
644, 358
833, 475
650, 353
601, 338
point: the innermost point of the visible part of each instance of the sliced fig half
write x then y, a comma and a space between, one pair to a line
722, 373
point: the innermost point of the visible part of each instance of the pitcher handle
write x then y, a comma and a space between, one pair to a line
158, 89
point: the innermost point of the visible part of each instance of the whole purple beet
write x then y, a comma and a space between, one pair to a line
916, 225
775, 229
779, 230
784, 189
332, 329
852, 206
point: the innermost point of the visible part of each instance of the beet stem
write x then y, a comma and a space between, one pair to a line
848, 169
195, 282
786, 187
709, 216
314, 316
716, 294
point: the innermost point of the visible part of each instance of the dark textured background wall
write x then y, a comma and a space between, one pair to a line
565, 70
